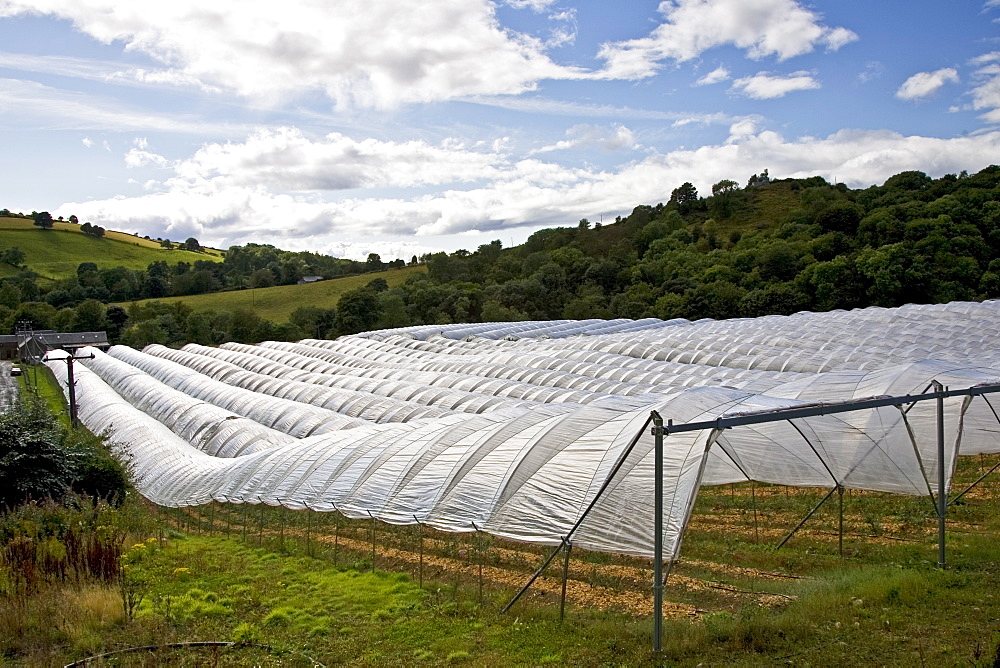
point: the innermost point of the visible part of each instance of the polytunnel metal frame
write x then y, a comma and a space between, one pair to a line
716, 427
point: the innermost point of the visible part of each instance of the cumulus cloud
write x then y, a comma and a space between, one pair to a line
924, 84
139, 156
766, 86
762, 28
284, 159
715, 76
524, 193
615, 138
370, 53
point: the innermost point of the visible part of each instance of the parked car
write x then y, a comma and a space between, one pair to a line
15, 371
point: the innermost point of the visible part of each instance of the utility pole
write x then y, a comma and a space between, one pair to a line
71, 383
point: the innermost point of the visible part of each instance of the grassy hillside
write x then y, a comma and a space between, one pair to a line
277, 303
56, 253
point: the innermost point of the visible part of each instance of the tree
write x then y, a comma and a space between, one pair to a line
73, 219
90, 317
262, 278
358, 311
314, 321
43, 219
724, 195
374, 262
686, 192
85, 268
116, 318
393, 311
13, 256
10, 295
192, 244
32, 461
840, 217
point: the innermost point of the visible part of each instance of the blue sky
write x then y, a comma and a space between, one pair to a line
399, 128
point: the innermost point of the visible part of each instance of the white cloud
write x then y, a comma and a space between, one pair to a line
371, 53
615, 138
986, 94
765, 86
763, 28
564, 33
873, 70
715, 76
525, 193
538, 6
137, 157
284, 159
924, 84
742, 130
87, 142
27, 104
717, 118
986, 57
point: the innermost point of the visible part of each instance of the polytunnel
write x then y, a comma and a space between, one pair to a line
538, 431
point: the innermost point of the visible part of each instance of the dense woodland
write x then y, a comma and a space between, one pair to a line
770, 247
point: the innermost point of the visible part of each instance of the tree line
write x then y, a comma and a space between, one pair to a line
770, 247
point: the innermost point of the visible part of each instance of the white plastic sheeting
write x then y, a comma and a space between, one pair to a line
512, 428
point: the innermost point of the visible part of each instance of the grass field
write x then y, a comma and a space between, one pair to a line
274, 587
296, 588
277, 303
56, 253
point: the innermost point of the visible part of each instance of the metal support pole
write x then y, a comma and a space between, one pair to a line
978, 480
373, 538
942, 498
246, 519
309, 524
805, 519
479, 560
565, 577
281, 527
840, 494
420, 572
534, 577
657, 533
336, 535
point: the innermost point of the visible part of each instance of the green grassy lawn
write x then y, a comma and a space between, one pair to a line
277, 303
297, 589
40, 381
57, 253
